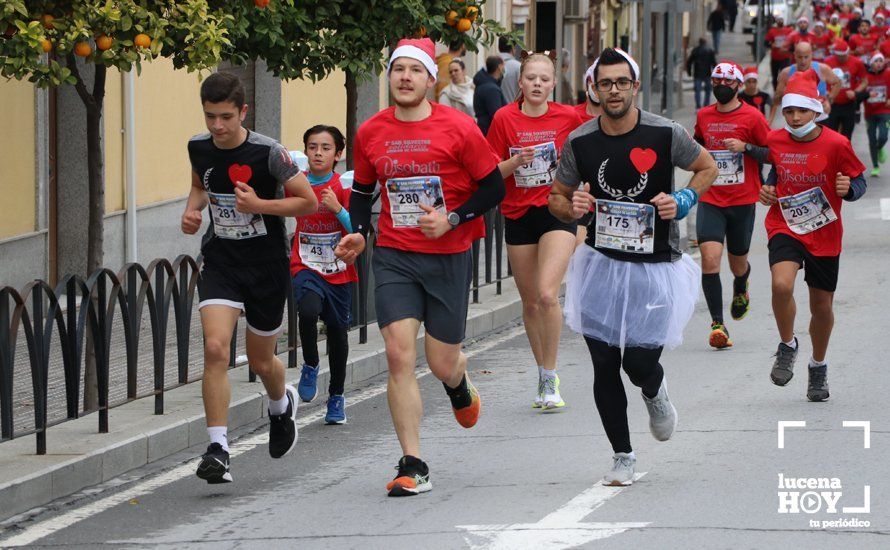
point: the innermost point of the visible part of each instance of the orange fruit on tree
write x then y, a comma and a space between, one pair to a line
46, 45
142, 40
104, 42
261, 3
472, 13
421, 32
464, 25
451, 18
82, 49
47, 20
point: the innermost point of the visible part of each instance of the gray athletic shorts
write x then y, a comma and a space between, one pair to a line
433, 288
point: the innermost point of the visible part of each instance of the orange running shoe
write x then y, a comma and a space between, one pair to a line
719, 337
413, 478
467, 416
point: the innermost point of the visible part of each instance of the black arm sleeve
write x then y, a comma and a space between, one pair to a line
858, 187
771, 179
758, 153
360, 203
490, 193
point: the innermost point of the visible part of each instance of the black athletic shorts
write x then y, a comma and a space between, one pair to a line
433, 288
531, 226
260, 290
819, 271
732, 224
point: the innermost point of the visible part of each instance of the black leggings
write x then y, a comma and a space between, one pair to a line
644, 371
309, 309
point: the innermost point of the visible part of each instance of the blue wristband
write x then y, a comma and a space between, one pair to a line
343, 218
686, 198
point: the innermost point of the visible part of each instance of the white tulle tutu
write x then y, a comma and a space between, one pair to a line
630, 304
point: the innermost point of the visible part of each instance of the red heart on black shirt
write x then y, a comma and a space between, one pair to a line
240, 172
816, 163
643, 159
758, 100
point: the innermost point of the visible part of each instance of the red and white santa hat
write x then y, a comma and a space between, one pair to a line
878, 56
840, 47
421, 49
802, 91
728, 69
751, 73
880, 15
803, 19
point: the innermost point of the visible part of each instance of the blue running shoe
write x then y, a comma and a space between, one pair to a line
336, 410
308, 386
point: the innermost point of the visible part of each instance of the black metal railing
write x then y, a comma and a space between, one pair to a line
102, 321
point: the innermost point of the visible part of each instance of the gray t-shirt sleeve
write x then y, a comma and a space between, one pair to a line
281, 166
567, 170
684, 149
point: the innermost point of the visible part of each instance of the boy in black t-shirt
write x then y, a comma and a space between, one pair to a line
750, 94
242, 176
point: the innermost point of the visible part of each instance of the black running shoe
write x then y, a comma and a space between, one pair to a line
817, 388
783, 366
214, 466
413, 478
283, 427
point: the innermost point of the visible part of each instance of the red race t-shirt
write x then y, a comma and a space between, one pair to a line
806, 177
437, 161
878, 86
739, 179
317, 234
821, 45
852, 73
511, 129
863, 45
581, 109
796, 38
884, 48
778, 40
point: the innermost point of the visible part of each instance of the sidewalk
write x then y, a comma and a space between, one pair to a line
77, 456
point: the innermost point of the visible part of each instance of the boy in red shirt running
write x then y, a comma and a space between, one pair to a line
734, 133
851, 72
322, 284
780, 56
814, 171
438, 176
877, 111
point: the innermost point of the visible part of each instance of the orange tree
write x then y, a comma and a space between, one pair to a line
50, 43
311, 38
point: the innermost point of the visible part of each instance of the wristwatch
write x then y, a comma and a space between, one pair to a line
748, 147
453, 219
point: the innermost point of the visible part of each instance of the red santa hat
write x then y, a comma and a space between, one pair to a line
880, 15
421, 49
728, 69
840, 47
803, 19
750, 72
802, 91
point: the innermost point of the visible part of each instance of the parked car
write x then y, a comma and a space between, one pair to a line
774, 8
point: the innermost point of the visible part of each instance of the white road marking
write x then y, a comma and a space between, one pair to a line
885, 209
556, 531
55, 523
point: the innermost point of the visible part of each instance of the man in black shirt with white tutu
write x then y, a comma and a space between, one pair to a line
630, 291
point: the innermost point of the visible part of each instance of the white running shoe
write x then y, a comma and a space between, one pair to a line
552, 400
662, 414
622, 472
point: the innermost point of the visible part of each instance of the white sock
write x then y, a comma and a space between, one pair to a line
629, 455
814, 363
279, 406
547, 373
218, 435
540, 372
792, 344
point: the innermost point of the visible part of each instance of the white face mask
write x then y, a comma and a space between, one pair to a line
803, 130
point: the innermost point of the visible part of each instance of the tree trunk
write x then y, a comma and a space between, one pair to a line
351, 114
93, 102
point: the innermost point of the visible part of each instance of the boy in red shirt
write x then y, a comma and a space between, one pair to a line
322, 284
734, 133
864, 42
877, 111
438, 177
814, 171
821, 41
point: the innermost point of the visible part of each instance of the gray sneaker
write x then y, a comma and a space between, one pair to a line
783, 366
622, 472
817, 388
662, 414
